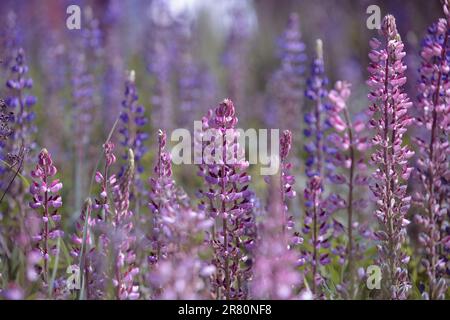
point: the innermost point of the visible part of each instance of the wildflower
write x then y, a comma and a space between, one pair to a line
350, 144
390, 119
227, 199
46, 201
433, 162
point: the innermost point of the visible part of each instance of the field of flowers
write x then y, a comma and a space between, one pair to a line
94, 205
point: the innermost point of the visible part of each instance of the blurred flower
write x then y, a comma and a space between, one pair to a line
46, 200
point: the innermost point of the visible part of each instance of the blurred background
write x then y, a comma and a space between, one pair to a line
188, 56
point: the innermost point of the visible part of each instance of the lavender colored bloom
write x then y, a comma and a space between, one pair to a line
315, 123
433, 160
350, 143
46, 201
227, 199
315, 229
164, 194
389, 108
286, 85
19, 99
132, 122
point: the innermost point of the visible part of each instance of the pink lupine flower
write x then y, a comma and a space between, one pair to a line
390, 119
46, 201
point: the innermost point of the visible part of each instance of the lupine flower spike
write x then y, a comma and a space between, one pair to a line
227, 199
390, 119
433, 160
350, 143
46, 202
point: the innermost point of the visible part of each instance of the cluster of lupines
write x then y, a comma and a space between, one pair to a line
287, 82
390, 119
46, 201
350, 142
227, 199
433, 162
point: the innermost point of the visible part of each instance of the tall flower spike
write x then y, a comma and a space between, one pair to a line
315, 123
350, 142
164, 194
227, 199
433, 160
389, 108
316, 226
21, 101
287, 83
46, 201
123, 237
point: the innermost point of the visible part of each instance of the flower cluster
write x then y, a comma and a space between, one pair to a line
164, 196
227, 199
390, 119
46, 201
433, 161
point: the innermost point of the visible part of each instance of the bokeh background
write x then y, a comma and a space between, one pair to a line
188, 56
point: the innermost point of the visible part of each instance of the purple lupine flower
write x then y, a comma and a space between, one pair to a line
315, 228
389, 108
122, 237
287, 180
287, 83
85, 253
164, 194
275, 274
433, 160
351, 143
132, 122
227, 199
23, 102
104, 180
315, 123
46, 201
